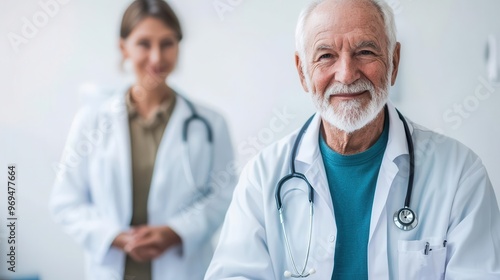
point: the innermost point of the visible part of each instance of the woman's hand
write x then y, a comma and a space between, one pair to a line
122, 239
146, 243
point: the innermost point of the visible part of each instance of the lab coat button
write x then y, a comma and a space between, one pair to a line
332, 238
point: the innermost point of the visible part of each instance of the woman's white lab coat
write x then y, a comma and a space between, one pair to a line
92, 194
452, 197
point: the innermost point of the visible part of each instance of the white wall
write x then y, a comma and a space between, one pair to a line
443, 56
241, 63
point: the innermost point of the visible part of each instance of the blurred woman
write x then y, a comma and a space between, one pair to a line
147, 175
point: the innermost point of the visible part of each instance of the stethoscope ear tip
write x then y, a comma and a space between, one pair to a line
312, 271
287, 274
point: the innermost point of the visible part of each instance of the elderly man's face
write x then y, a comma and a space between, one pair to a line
347, 61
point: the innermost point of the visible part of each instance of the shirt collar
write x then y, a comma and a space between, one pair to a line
162, 112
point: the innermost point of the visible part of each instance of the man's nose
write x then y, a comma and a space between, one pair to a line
346, 70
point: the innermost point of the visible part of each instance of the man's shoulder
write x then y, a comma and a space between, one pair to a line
435, 145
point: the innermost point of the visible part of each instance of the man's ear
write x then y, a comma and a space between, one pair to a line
298, 64
395, 62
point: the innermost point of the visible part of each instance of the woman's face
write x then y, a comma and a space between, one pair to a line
152, 48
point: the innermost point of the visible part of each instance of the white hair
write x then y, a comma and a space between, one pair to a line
384, 9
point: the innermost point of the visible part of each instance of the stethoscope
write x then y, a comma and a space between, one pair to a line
404, 218
185, 135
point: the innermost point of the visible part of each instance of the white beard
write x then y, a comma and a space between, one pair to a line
349, 115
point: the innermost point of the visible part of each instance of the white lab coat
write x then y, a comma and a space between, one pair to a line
452, 197
92, 196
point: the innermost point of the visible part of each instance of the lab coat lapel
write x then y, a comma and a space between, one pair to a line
121, 157
309, 161
171, 140
318, 180
396, 146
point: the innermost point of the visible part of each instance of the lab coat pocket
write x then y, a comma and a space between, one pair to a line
422, 259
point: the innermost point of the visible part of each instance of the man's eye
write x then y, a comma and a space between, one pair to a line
327, 55
365, 52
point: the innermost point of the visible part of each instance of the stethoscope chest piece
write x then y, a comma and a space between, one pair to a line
405, 219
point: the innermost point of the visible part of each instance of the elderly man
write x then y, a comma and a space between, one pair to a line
359, 192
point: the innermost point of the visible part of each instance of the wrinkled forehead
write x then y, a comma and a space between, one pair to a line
355, 18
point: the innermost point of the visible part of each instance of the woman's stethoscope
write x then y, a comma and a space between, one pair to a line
187, 155
405, 219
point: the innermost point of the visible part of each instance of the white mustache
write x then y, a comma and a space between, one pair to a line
354, 88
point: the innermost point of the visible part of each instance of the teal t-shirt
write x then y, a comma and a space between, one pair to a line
352, 180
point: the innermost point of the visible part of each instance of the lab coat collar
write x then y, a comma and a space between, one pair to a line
310, 140
396, 144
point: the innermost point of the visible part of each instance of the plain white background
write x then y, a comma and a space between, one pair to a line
238, 61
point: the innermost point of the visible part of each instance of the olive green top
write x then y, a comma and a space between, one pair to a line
145, 138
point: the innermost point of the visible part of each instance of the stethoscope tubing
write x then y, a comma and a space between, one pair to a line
185, 136
279, 205
411, 150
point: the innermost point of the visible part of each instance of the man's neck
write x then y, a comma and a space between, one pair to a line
355, 142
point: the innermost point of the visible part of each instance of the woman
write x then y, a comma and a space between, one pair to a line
141, 204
